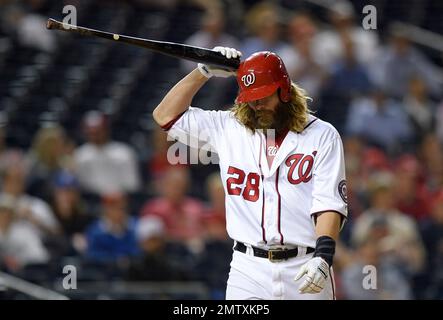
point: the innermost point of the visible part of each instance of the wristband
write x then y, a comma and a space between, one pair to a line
325, 248
204, 70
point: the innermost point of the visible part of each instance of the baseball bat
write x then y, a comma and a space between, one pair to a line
176, 50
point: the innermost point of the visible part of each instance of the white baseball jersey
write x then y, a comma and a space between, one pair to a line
274, 205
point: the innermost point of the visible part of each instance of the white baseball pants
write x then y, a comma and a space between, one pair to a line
255, 278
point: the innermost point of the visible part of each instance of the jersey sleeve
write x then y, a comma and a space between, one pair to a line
198, 128
329, 188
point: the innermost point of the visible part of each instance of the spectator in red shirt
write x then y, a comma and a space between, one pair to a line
215, 216
181, 214
411, 194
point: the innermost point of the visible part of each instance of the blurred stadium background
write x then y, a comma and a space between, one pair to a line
83, 172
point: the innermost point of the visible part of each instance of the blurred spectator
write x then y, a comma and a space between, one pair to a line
214, 260
348, 80
344, 256
20, 244
390, 282
181, 215
402, 240
361, 163
29, 28
71, 213
431, 158
331, 43
150, 234
398, 63
432, 233
159, 163
215, 93
355, 183
302, 59
157, 262
215, 216
263, 23
7, 155
364, 161
105, 166
411, 194
439, 122
420, 109
47, 156
33, 209
210, 35
374, 160
380, 121
167, 4
213, 266
112, 238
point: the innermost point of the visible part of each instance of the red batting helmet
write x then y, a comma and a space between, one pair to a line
260, 75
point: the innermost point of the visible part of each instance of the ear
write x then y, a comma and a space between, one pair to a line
279, 95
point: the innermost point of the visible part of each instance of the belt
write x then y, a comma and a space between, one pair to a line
274, 255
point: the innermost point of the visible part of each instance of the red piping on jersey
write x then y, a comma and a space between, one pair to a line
263, 216
332, 283
279, 141
279, 206
169, 125
263, 195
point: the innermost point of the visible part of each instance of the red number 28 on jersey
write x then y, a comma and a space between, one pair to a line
251, 191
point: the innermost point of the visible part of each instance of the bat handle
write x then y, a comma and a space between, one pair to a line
51, 23
54, 24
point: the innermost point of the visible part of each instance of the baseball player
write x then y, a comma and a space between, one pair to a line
283, 172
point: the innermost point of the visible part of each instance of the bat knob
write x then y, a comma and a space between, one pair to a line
50, 23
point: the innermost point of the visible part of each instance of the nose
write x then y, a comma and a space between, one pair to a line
256, 105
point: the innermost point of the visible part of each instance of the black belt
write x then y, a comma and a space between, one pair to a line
273, 255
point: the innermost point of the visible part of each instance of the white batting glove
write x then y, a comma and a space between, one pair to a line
212, 71
317, 271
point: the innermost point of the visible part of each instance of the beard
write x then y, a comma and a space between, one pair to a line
264, 119
277, 119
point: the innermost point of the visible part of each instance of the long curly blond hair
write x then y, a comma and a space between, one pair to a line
295, 111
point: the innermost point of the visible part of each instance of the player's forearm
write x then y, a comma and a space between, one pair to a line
178, 99
328, 224
327, 229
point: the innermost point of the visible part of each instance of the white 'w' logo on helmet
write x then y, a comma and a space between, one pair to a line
248, 79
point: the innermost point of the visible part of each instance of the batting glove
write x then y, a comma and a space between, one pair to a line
212, 71
317, 271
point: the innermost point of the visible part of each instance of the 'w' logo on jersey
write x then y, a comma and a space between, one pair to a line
300, 167
272, 150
